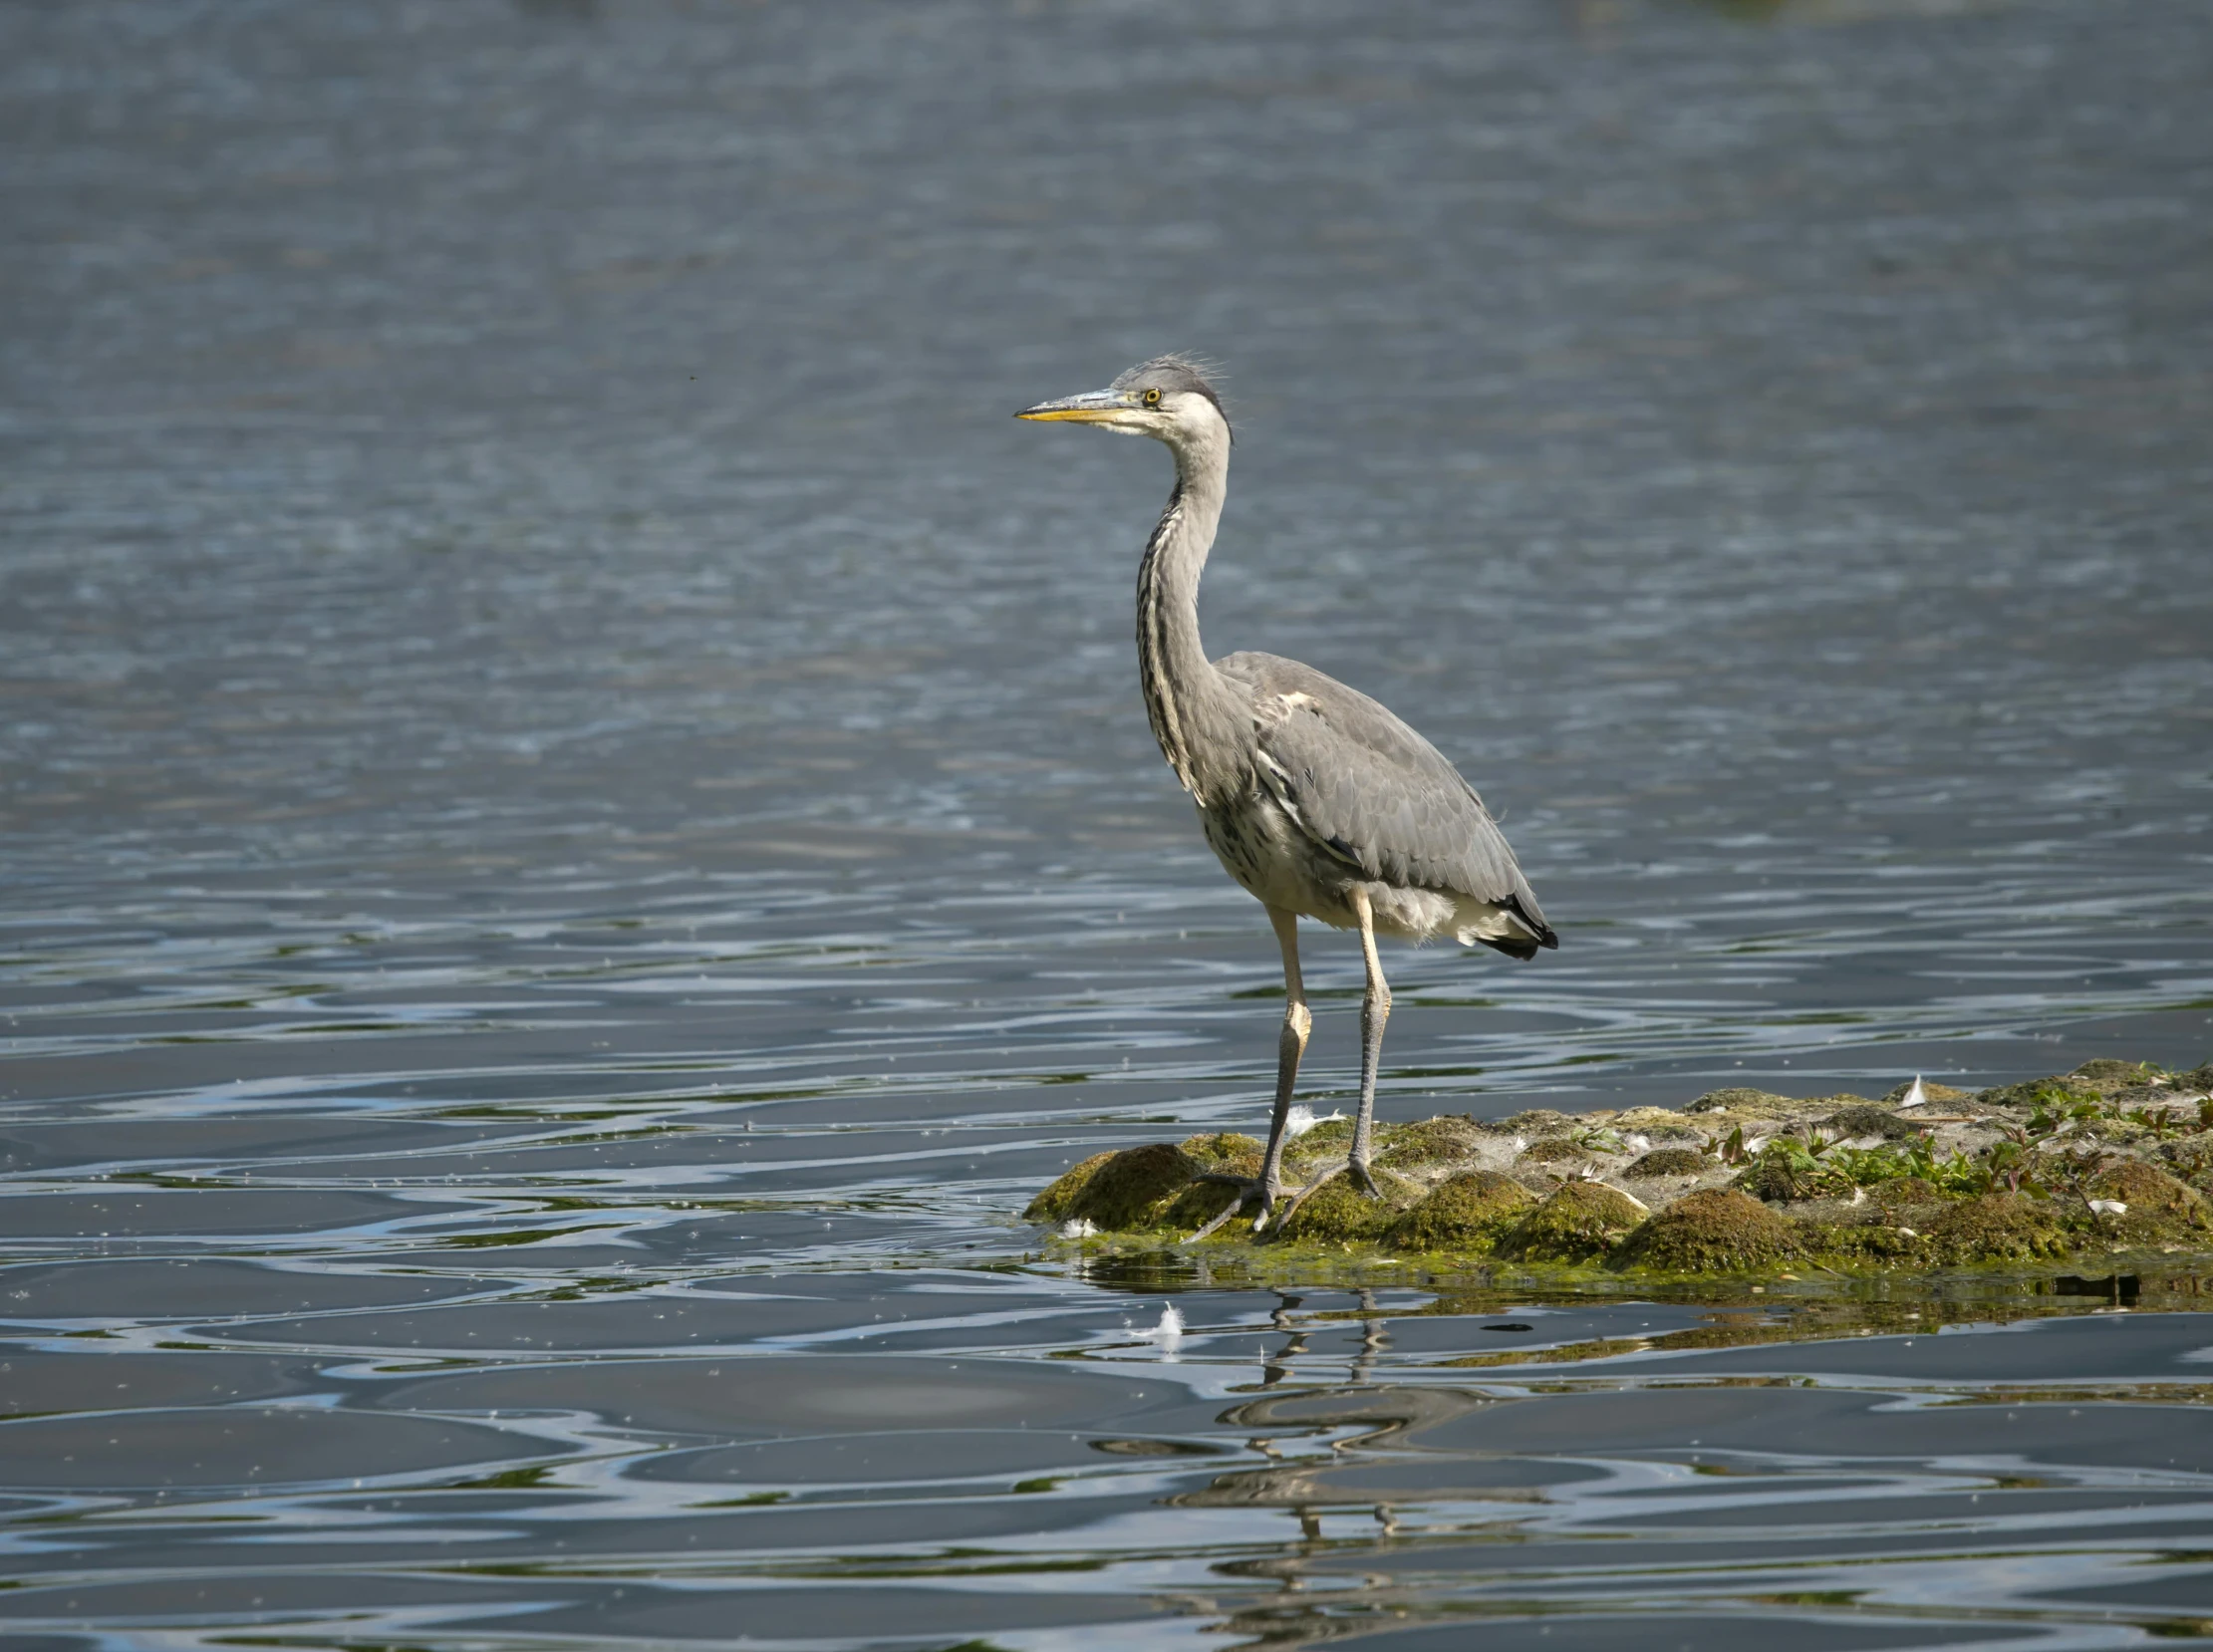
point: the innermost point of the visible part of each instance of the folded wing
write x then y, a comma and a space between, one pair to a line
1378, 796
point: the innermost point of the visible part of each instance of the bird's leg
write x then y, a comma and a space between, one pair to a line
1375, 1011
1290, 1046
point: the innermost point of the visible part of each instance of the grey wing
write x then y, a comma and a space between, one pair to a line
1373, 792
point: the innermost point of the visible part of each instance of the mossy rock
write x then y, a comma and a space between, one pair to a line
1057, 1201
1714, 1231
1576, 1221
1867, 1120
1340, 1211
1427, 1142
2160, 1206
1759, 1104
1997, 1227
1553, 1149
1471, 1208
1670, 1160
1133, 1189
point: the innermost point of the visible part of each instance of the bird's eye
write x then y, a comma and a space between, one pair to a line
1151, 398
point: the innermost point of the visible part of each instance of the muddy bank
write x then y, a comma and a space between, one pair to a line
2112, 1159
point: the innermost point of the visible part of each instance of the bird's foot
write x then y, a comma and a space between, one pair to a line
1343, 1167
1299, 1196
1249, 1188
1244, 1198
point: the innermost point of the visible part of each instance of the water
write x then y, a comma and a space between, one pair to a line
581, 834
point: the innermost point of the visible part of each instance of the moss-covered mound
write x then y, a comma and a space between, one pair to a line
1057, 1203
1578, 1222
1997, 1227
1850, 1122
2148, 1189
1225, 1154
1129, 1190
1759, 1104
1340, 1211
1670, 1160
1715, 1231
1468, 1212
1435, 1141
1553, 1150
2160, 1208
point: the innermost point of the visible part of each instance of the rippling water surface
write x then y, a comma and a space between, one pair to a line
580, 834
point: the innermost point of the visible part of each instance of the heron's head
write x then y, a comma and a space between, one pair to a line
1166, 398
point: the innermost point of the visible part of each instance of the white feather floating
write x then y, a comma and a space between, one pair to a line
1079, 1229
1169, 1333
2110, 1207
1302, 1119
1914, 1095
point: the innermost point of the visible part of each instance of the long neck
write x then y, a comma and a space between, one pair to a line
1200, 721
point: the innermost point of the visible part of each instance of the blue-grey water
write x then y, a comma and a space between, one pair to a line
580, 835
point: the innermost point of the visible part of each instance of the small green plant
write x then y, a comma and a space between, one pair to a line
1597, 1138
2162, 1122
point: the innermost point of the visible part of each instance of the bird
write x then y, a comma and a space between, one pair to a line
1318, 801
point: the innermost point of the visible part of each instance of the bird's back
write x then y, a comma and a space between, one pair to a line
1377, 795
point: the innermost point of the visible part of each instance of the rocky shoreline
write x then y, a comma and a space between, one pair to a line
2111, 1159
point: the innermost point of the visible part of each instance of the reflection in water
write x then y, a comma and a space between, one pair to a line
573, 857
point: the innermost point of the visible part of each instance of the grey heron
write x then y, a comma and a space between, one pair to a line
1316, 799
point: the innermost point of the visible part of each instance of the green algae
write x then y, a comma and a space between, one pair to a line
1997, 1227
1714, 1231
1578, 1222
1340, 1211
1875, 1246
1464, 1213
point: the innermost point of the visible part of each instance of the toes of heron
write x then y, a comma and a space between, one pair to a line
1246, 1192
